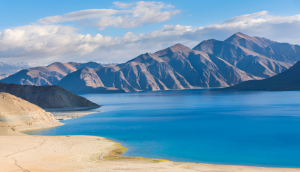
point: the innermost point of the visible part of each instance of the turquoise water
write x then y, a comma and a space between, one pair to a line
241, 128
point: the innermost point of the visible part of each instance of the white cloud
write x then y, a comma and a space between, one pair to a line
122, 5
42, 44
136, 14
80, 15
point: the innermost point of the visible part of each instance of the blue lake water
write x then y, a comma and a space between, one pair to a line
241, 128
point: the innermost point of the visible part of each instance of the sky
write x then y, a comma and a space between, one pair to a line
42, 32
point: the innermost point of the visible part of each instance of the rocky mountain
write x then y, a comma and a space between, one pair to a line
10, 68
50, 98
17, 114
286, 81
46, 75
176, 67
243, 58
283, 52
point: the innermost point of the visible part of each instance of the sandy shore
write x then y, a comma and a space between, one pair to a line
82, 153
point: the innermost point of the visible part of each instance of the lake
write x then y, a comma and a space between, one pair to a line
240, 128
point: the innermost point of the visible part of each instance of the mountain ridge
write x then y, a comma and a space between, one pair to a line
243, 58
46, 75
283, 52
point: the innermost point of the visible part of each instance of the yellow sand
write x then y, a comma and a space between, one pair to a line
82, 153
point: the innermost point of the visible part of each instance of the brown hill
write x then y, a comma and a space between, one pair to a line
17, 114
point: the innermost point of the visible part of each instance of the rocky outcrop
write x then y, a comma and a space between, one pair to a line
286, 81
50, 98
17, 114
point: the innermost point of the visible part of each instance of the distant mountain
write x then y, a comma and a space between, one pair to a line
85, 81
283, 52
88, 64
10, 68
286, 81
46, 75
50, 98
244, 59
176, 67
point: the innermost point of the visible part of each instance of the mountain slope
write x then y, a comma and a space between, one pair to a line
177, 67
283, 52
46, 75
51, 98
244, 59
18, 114
285, 81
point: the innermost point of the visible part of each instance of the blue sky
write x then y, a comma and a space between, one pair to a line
28, 30
203, 12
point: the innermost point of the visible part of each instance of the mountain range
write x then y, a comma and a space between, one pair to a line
211, 63
242, 51
46, 75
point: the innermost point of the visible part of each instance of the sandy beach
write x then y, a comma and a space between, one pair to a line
25, 153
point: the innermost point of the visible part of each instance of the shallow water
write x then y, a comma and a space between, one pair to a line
241, 128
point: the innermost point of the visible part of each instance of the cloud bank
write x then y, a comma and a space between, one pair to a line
130, 15
42, 44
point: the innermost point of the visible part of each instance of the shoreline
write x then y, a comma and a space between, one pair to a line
65, 115
83, 153
93, 153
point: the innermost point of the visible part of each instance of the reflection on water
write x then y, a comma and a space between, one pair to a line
245, 128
